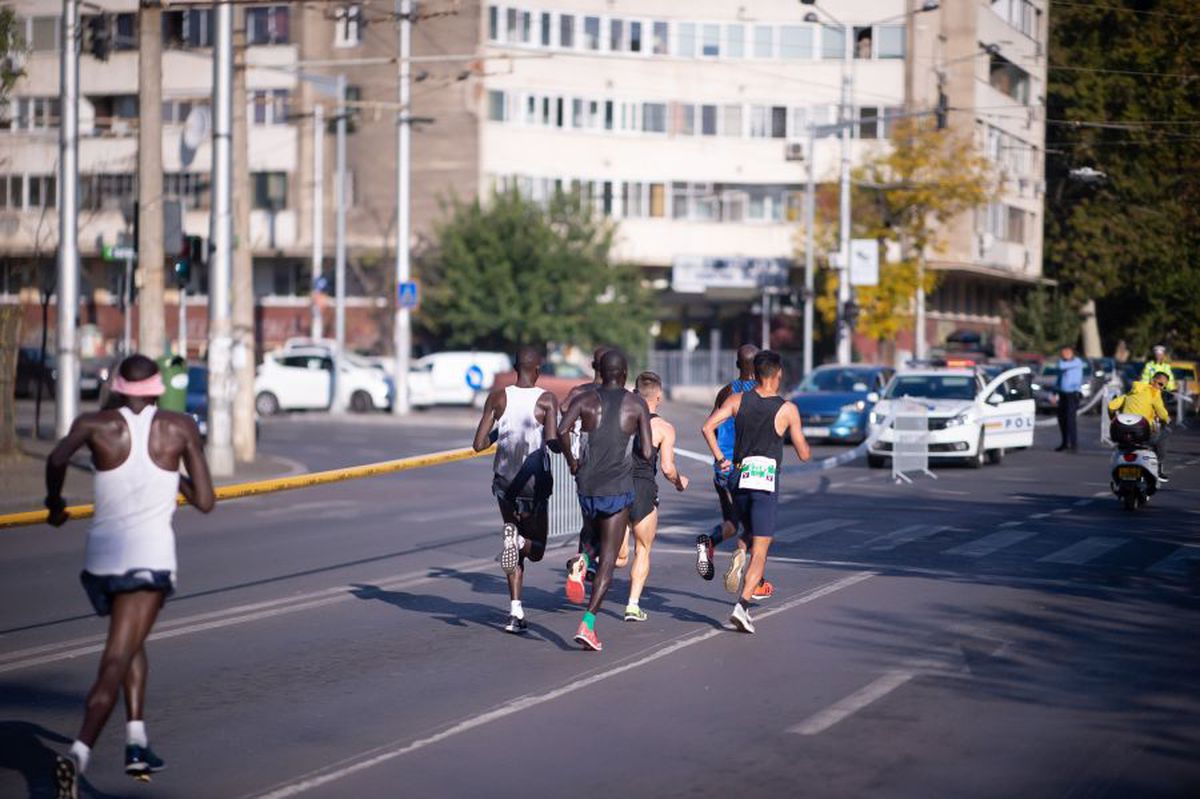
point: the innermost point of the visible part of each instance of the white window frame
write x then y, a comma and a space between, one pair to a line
347, 27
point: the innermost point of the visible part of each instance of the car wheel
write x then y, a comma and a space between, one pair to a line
980, 456
360, 402
266, 403
876, 461
995, 456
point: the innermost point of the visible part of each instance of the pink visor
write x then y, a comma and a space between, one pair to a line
152, 386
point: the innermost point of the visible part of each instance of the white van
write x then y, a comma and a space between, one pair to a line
452, 378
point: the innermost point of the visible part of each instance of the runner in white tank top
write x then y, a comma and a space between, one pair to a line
129, 566
520, 419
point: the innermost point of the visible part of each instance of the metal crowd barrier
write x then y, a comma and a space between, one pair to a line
565, 516
910, 448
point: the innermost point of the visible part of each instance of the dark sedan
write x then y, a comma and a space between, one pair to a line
835, 401
30, 370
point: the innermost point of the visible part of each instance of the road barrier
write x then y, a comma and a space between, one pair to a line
566, 518
277, 484
910, 447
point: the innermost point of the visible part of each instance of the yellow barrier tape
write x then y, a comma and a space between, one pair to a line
276, 484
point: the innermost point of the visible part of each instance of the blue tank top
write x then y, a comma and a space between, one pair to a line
725, 433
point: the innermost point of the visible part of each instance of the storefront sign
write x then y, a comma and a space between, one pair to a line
698, 274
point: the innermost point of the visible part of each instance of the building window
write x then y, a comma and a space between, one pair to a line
270, 190
525, 27
833, 42
109, 192
735, 41
635, 37
271, 107
191, 28
347, 26
731, 120
685, 39
778, 122
566, 31
710, 41
547, 28
654, 117
616, 35
760, 121
496, 106
662, 38
43, 34
795, 42
708, 120
864, 43
126, 33
658, 200
267, 25
1008, 78
12, 191
493, 24
891, 41
868, 122
31, 113
591, 33
764, 41
189, 188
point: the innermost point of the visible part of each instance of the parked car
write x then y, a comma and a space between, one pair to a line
557, 378
1045, 388
93, 373
301, 378
454, 378
971, 418
835, 401
1186, 384
197, 398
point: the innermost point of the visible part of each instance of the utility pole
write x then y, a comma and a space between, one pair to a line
244, 443
810, 220
318, 215
220, 344
152, 322
339, 189
402, 326
66, 387
844, 351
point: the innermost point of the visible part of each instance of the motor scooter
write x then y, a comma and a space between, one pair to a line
1134, 466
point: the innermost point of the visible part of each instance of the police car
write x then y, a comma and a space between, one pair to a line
971, 418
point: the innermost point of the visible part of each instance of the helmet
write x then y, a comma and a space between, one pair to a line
1159, 349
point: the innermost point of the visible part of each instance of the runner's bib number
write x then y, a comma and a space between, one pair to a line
758, 473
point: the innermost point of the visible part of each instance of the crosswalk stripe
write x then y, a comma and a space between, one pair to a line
905, 535
1082, 551
797, 532
1178, 562
995, 542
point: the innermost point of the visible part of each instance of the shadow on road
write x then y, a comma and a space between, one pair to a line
24, 750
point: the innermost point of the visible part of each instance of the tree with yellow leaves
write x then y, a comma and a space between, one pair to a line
905, 195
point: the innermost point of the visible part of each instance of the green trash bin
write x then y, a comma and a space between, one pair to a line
175, 380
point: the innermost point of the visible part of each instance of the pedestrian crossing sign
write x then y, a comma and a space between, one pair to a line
408, 295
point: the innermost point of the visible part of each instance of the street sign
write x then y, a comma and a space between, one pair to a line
864, 262
408, 295
117, 252
474, 377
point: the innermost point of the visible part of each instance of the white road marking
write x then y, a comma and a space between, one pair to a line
1037, 516
1082, 503
1102, 493
696, 456
308, 508
982, 547
400, 748
844, 708
1082, 551
1178, 563
797, 532
905, 535
1010, 524
455, 513
227, 617
1058, 511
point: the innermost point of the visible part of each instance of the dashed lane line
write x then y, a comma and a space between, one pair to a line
989, 544
1086, 550
848, 706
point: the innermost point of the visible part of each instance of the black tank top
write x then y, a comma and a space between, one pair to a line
754, 428
644, 469
607, 469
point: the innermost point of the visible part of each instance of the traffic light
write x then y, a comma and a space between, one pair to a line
191, 254
850, 311
99, 36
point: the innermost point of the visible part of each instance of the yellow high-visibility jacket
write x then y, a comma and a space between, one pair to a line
1146, 401
1153, 367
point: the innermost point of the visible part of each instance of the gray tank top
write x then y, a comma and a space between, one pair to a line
607, 469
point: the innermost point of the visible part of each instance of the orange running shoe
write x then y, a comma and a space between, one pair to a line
587, 637
576, 568
765, 590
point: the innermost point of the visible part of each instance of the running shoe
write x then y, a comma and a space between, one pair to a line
140, 761
733, 575
633, 613
575, 570
765, 590
741, 619
704, 557
510, 555
587, 637
66, 777
516, 625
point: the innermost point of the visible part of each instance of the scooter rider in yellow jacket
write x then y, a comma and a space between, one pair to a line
1145, 400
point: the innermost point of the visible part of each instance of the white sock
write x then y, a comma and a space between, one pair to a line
516, 610
633, 603
81, 752
135, 733
520, 541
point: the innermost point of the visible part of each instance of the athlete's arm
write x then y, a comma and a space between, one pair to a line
56, 468
196, 487
728, 410
791, 417
570, 415
547, 406
645, 433
666, 453
487, 421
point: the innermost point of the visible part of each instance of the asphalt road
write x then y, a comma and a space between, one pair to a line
996, 633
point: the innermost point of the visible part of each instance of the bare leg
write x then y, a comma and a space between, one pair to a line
133, 615
643, 532
623, 553
758, 565
612, 530
135, 686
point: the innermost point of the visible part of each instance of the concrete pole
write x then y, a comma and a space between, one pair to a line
844, 350
402, 326
318, 214
765, 332
810, 219
183, 335
127, 289
152, 315
339, 188
66, 387
1090, 330
220, 343
244, 443
919, 339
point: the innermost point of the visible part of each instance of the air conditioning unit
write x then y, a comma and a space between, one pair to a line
793, 151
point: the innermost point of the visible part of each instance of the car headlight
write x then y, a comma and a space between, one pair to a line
855, 407
104, 373
873, 418
1035, 386
959, 421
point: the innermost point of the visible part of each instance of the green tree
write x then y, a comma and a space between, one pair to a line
12, 46
1124, 99
510, 271
1043, 321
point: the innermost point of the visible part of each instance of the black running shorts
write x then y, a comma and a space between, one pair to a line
100, 588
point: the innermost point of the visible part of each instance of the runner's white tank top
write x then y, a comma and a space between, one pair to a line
134, 506
518, 433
